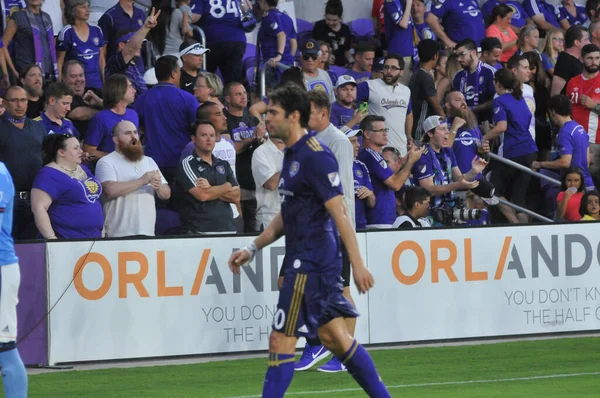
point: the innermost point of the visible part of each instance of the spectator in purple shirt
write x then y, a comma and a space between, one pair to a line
363, 189
65, 195
364, 55
344, 114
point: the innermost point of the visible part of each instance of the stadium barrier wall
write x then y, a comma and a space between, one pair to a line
170, 297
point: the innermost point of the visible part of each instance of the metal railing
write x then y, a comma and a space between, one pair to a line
524, 169
263, 76
202, 41
522, 209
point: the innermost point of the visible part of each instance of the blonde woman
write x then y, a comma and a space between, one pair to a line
445, 84
554, 44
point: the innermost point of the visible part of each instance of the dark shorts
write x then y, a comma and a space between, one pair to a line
309, 301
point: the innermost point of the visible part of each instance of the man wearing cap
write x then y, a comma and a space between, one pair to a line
166, 113
316, 79
344, 114
437, 170
385, 181
129, 47
363, 189
364, 54
190, 53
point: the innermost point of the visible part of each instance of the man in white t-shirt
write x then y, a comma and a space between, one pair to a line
389, 98
267, 161
519, 66
129, 182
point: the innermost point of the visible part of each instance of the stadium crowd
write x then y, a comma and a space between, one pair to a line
120, 129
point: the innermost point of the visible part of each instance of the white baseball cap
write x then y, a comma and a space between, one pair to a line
354, 133
432, 122
345, 79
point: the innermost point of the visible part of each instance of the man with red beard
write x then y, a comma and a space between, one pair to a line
463, 130
129, 182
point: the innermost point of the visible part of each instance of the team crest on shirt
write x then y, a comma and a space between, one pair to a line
140, 22
294, 168
466, 138
383, 164
423, 168
274, 25
96, 41
496, 110
91, 189
358, 173
481, 80
334, 178
220, 169
317, 86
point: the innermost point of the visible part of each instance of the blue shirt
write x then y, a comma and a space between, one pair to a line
88, 52
272, 24
460, 19
477, 87
400, 40
573, 140
99, 132
551, 14
116, 64
465, 147
384, 211
358, 76
519, 18
424, 31
439, 166
115, 20
341, 115
580, 18
309, 178
7, 197
220, 21
547, 62
362, 178
516, 140
166, 114
53, 128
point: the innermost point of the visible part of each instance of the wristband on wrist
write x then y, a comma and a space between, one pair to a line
251, 249
280, 53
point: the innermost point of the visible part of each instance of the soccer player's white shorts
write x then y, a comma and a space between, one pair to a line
10, 279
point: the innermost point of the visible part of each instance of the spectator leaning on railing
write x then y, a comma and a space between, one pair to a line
65, 198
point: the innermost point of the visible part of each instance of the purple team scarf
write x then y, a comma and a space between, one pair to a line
37, 41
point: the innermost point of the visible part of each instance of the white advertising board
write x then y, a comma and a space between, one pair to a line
461, 283
162, 297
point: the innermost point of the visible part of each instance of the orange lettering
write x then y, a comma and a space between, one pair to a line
163, 289
200, 272
471, 275
78, 278
446, 265
136, 279
503, 257
403, 278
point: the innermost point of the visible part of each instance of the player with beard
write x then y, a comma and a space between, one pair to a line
32, 81
344, 114
389, 98
464, 129
584, 92
129, 182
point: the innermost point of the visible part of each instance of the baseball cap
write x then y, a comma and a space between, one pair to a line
432, 122
150, 77
310, 47
378, 65
354, 133
192, 49
345, 79
125, 38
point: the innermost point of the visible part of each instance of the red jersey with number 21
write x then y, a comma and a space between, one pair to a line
576, 88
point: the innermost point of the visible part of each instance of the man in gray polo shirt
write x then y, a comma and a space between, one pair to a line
206, 186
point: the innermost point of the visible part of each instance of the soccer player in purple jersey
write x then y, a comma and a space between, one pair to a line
311, 300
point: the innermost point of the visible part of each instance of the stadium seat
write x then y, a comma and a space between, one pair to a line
362, 27
303, 26
249, 62
250, 51
167, 222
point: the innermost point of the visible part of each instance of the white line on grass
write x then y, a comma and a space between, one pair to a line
441, 383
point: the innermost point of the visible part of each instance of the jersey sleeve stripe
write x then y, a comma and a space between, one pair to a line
187, 168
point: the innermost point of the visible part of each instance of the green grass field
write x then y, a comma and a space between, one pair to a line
546, 368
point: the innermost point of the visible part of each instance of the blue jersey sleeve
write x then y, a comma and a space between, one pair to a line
367, 178
377, 165
531, 7
441, 8
362, 92
499, 111
565, 143
64, 40
323, 176
546, 62
560, 13
423, 168
393, 9
273, 22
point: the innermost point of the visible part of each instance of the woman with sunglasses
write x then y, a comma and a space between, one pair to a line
65, 195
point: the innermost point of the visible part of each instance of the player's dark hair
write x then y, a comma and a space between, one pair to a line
513, 62
468, 44
540, 78
560, 104
164, 67
320, 99
27, 69
363, 47
334, 7
508, 80
52, 143
501, 10
203, 111
414, 195
201, 122
589, 48
396, 57
67, 65
428, 49
115, 87
584, 199
292, 75
574, 33
272, 3
573, 170
292, 98
488, 44
57, 90
367, 122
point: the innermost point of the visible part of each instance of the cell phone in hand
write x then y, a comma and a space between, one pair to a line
364, 107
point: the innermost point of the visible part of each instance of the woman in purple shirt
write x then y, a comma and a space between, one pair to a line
65, 198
